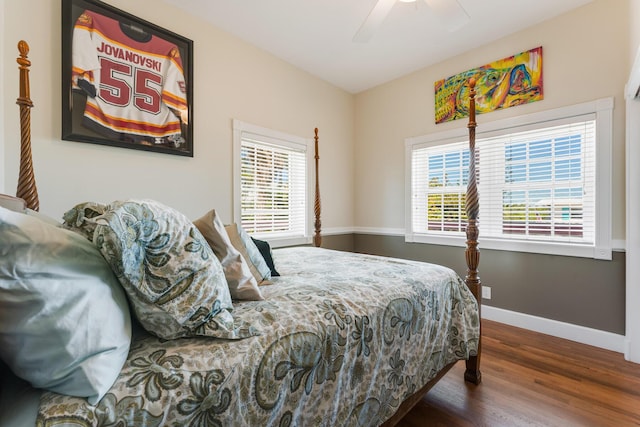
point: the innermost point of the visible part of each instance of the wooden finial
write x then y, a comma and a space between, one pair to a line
23, 61
26, 180
23, 48
472, 103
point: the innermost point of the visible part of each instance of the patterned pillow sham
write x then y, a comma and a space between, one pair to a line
79, 218
242, 284
175, 283
243, 243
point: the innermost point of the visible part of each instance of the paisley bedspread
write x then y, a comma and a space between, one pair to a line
344, 339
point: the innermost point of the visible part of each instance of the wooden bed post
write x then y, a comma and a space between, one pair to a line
317, 238
472, 254
26, 181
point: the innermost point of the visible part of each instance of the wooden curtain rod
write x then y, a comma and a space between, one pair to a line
26, 180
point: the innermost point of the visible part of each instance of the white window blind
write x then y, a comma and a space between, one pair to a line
541, 186
272, 194
440, 176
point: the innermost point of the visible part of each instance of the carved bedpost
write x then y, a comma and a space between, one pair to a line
472, 254
26, 181
317, 238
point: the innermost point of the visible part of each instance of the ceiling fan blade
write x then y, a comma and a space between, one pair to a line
373, 21
451, 13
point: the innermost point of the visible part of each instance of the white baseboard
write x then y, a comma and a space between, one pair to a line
379, 231
334, 231
581, 334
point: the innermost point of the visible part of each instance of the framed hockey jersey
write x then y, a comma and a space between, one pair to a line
125, 82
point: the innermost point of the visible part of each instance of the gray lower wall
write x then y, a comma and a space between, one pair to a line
340, 242
579, 291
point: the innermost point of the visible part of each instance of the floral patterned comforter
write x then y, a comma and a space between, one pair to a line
344, 339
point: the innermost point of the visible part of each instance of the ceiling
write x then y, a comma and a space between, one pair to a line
317, 35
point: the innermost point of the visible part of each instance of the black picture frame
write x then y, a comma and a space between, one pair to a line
135, 88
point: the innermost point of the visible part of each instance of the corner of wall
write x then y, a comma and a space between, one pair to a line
634, 29
632, 134
2, 135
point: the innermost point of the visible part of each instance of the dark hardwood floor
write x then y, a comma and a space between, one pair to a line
531, 379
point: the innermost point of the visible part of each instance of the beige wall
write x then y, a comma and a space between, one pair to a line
586, 57
2, 136
233, 80
634, 25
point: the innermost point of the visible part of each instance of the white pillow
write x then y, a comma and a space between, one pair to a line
243, 243
64, 319
242, 284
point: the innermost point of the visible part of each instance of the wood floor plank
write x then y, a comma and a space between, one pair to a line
531, 379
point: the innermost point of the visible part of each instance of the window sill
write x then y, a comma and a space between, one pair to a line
548, 248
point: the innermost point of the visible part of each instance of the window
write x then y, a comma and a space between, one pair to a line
440, 181
271, 184
544, 183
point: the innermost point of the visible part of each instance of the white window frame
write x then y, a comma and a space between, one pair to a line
283, 140
602, 249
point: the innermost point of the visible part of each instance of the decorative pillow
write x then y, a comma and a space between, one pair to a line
265, 251
64, 319
243, 243
13, 203
79, 218
175, 283
242, 284
42, 217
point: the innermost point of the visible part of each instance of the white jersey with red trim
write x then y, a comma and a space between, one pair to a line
130, 84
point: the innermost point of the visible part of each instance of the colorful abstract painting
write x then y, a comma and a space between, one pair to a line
504, 83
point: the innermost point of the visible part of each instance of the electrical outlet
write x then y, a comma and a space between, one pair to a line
486, 292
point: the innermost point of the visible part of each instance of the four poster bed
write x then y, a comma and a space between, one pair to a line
336, 339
